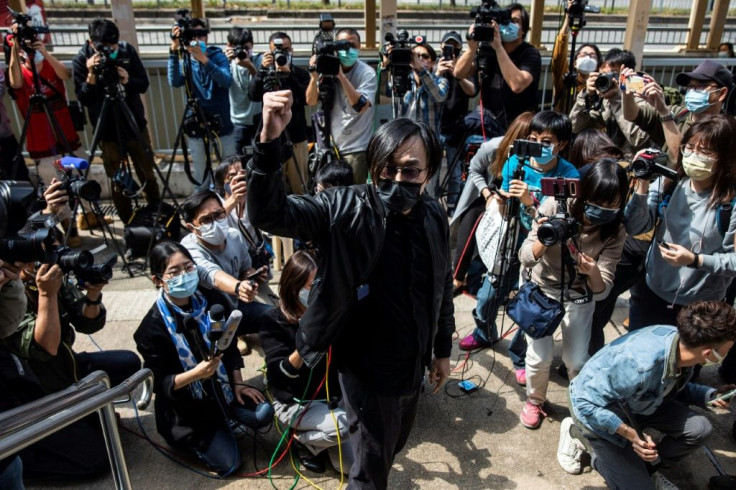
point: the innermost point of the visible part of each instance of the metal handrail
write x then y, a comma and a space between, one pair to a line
101, 403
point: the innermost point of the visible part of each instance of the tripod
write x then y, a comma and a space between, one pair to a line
123, 119
194, 113
570, 80
38, 101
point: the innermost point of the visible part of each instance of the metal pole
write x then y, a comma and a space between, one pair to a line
114, 447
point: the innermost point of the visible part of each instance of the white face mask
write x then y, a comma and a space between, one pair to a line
719, 358
215, 233
586, 64
304, 296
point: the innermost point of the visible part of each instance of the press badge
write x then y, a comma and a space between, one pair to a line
363, 291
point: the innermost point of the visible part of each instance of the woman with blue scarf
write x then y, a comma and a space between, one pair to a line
198, 397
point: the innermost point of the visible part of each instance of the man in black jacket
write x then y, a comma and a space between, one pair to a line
117, 140
296, 79
382, 297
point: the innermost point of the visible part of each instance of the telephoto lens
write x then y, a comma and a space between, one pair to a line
89, 190
70, 260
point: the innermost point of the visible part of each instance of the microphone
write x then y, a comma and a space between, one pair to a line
229, 331
216, 316
66, 164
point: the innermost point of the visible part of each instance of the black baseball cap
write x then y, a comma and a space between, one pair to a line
454, 36
707, 71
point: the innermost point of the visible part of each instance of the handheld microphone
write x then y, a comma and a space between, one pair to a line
66, 164
216, 316
228, 333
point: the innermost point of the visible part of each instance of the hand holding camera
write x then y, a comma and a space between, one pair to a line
520, 190
175, 36
48, 279
56, 197
196, 51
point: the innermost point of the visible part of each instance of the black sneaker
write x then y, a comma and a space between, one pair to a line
313, 462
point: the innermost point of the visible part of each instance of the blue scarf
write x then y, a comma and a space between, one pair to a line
188, 362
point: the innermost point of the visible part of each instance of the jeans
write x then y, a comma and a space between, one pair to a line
118, 364
11, 478
243, 136
575, 339
486, 309
252, 415
221, 453
684, 431
199, 157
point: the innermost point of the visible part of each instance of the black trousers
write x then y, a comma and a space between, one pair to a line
466, 249
379, 427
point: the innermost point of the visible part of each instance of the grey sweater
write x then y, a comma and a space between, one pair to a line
690, 222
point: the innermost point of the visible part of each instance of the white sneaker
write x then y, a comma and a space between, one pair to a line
569, 449
662, 483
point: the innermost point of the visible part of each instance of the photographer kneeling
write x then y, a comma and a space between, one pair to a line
211, 80
591, 245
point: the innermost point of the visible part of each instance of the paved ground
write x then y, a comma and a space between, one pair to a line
473, 441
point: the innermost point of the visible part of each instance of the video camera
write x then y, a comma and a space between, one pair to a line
271, 75
76, 185
579, 8
328, 63
400, 57
485, 14
650, 163
187, 32
27, 33
560, 227
325, 33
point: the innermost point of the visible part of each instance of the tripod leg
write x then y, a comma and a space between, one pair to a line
23, 134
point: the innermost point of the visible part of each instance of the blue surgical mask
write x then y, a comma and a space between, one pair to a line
202, 46
696, 101
184, 285
38, 57
598, 215
509, 32
114, 54
348, 58
304, 296
723, 54
546, 156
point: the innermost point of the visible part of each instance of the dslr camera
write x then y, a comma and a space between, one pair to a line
187, 32
400, 58
271, 75
606, 81
239, 46
106, 70
560, 227
76, 185
27, 33
651, 163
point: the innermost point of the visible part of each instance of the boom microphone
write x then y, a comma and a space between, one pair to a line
71, 163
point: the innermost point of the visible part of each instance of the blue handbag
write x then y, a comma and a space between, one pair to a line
534, 312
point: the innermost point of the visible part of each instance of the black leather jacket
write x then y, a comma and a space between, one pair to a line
348, 224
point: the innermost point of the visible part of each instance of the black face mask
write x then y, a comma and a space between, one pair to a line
398, 197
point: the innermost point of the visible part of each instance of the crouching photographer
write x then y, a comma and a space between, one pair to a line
570, 257
56, 310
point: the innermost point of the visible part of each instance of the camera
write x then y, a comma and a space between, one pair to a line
325, 33
560, 227
271, 75
524, 149
27, 33
485, 14
579, 8
651, 163
328, 63
238, 38
606, 81
187, 32
95, 274
75, 185
106, 70
400, 58
17, 199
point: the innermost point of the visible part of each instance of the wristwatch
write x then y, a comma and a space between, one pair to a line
89, 302
237, 288
668, 117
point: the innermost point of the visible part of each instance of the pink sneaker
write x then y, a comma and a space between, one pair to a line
520, 376
531, 415
471, 343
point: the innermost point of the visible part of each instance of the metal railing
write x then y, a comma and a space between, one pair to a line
50, 414
165, 104
604, 35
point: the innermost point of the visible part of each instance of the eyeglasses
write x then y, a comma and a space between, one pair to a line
424, 56
208, 219
410, 174
190, 267
688, 150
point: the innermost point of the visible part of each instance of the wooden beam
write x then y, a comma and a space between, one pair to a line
717, 22
17, 5
536, 17
636, 28
695, 26
122, 14
197, 9
388, 17
370, 24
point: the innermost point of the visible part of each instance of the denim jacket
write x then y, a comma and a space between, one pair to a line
639, 368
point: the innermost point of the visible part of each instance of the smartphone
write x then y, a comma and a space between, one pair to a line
258, 272
663, 245
635, 83
467, 386
726, 396
448, 52
560, 187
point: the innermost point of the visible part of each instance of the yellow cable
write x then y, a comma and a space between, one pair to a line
334, 419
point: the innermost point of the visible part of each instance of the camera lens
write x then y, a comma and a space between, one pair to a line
22, 250
89, 190
553, 231
641, 167
241, 54
603, 83
281, 59
69, 260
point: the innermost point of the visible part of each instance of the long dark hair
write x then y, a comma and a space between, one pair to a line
293, 278
717, 133
519, 128
605, 182
591, 145
161, 253
389, 137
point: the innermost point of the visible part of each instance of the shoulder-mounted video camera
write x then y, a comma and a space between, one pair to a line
400, 57
485, 14
328, 63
